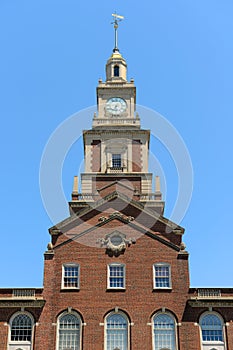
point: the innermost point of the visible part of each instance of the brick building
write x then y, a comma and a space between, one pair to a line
116, 273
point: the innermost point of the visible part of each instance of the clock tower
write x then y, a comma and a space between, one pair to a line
116, 148
116, 97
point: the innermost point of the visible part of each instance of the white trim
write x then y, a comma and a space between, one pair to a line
124, 315
75, 313
211, 342
9, 341
63, 275
175, 327
160, 264
108, 276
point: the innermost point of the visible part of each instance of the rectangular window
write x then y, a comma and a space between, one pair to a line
116, 276
162, 276
116, 160
70, 277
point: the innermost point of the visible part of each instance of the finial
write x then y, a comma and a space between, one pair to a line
117, 18
157, 184
75, 185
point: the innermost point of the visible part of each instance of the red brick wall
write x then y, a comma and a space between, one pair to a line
93, 301
137, 156
229, 331
100, 182
95, 159
3, 333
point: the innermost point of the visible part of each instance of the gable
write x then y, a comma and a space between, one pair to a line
116, 211
98, 228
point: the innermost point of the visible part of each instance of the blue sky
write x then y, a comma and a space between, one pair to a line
180, 54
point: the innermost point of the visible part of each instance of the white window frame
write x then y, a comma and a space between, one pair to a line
175, 327
20, 343
161, 264
212, 343
105, 327
117, 157
108, 276
76, 314
63, 276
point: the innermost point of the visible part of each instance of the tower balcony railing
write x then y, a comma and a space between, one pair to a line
116, 169
116, 121
86, 197
150, 197
90, 197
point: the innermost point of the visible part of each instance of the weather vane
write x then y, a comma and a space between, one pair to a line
117, 18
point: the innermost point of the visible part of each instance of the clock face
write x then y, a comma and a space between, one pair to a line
116, 105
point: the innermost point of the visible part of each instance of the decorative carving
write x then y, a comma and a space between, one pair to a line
102, 219
118, 214
116, 243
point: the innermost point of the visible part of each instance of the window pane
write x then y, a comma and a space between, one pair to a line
117, 332
164, 332
116, 71
162, 276
70, 277
211, 327
116, 276
116, 160
21, 328
69, 333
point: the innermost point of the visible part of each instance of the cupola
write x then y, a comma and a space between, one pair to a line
116, 68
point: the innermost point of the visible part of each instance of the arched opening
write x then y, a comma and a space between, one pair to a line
116, 71
69, 334
116, 331
164, 332
212, 332
21, 331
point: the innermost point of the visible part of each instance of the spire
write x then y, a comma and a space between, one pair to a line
116, 67
117, 19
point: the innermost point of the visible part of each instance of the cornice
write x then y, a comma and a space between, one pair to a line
57, 228
6, 303
221, 302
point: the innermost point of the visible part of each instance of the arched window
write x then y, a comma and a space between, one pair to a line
21, 331
116, 71
164, 329
69, 335
116, 332
212, 330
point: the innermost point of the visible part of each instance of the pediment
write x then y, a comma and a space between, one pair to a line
126, 213
98, 235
